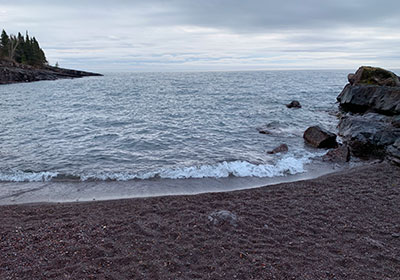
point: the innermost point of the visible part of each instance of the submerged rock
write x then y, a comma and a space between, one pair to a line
340, 154
222, 217
294, 104
320, 138
283, 148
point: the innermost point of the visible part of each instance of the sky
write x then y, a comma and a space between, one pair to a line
205, 35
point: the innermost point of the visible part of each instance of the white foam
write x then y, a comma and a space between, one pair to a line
287, 165
20, 176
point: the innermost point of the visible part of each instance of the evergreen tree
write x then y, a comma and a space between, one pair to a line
22, 49
4, 42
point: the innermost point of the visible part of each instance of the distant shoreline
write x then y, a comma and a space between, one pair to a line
12, 72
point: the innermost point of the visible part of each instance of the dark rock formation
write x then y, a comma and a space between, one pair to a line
371, 89
367, 75
374, 94
320, 138
368, 135
363, 98
393, 152
294, 104
339, 155
11, 72
283, 148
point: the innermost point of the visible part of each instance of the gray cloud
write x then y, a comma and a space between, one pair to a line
220, 34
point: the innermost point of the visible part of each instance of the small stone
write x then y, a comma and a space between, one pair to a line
396, 235
221, 217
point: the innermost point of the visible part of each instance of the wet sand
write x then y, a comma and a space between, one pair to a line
340, 226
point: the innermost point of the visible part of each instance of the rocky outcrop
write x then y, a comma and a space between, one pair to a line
371, 90
11, 72
320, 138
371, 102
294, 104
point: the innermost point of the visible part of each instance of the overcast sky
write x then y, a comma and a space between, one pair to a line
180, 35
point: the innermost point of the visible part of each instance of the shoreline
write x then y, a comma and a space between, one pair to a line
343, 225
17, 193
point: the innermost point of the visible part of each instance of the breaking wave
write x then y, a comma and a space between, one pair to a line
286, 166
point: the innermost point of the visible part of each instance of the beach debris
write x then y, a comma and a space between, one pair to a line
223, 217
283, 148
320, 138
294, 104
340, 154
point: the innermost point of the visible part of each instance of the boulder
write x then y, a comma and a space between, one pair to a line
367, 75
339, 155
320, 138
294, 104
368, 135
396, 121
393, 152
370, 98
283, 148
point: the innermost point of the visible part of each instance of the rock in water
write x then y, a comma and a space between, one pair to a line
294, 104
320, 138
222, 217
280, 149
340, 154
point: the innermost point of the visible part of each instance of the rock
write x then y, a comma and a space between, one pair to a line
367, 75
283, 148
396, 121
340, 154
223, 217
320, 138
368, 135
294, 104
393, 152
372, 98
263, 131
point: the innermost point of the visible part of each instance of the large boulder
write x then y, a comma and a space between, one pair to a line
372, 98
371, 89
320, 138
367, 75
368, 135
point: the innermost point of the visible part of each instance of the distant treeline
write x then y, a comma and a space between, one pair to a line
21, 49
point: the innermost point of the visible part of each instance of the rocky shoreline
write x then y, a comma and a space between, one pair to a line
11, 72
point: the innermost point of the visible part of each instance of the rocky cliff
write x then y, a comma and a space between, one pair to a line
370, 123
11, 72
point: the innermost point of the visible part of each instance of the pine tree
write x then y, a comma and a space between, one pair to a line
5, 40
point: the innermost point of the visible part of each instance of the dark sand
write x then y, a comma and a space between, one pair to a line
340, 226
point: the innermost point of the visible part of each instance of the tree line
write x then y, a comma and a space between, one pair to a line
21, 49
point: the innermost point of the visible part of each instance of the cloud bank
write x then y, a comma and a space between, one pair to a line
178, 35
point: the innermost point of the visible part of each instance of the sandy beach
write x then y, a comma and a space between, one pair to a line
340, 226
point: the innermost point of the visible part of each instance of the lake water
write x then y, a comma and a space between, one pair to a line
135, 127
